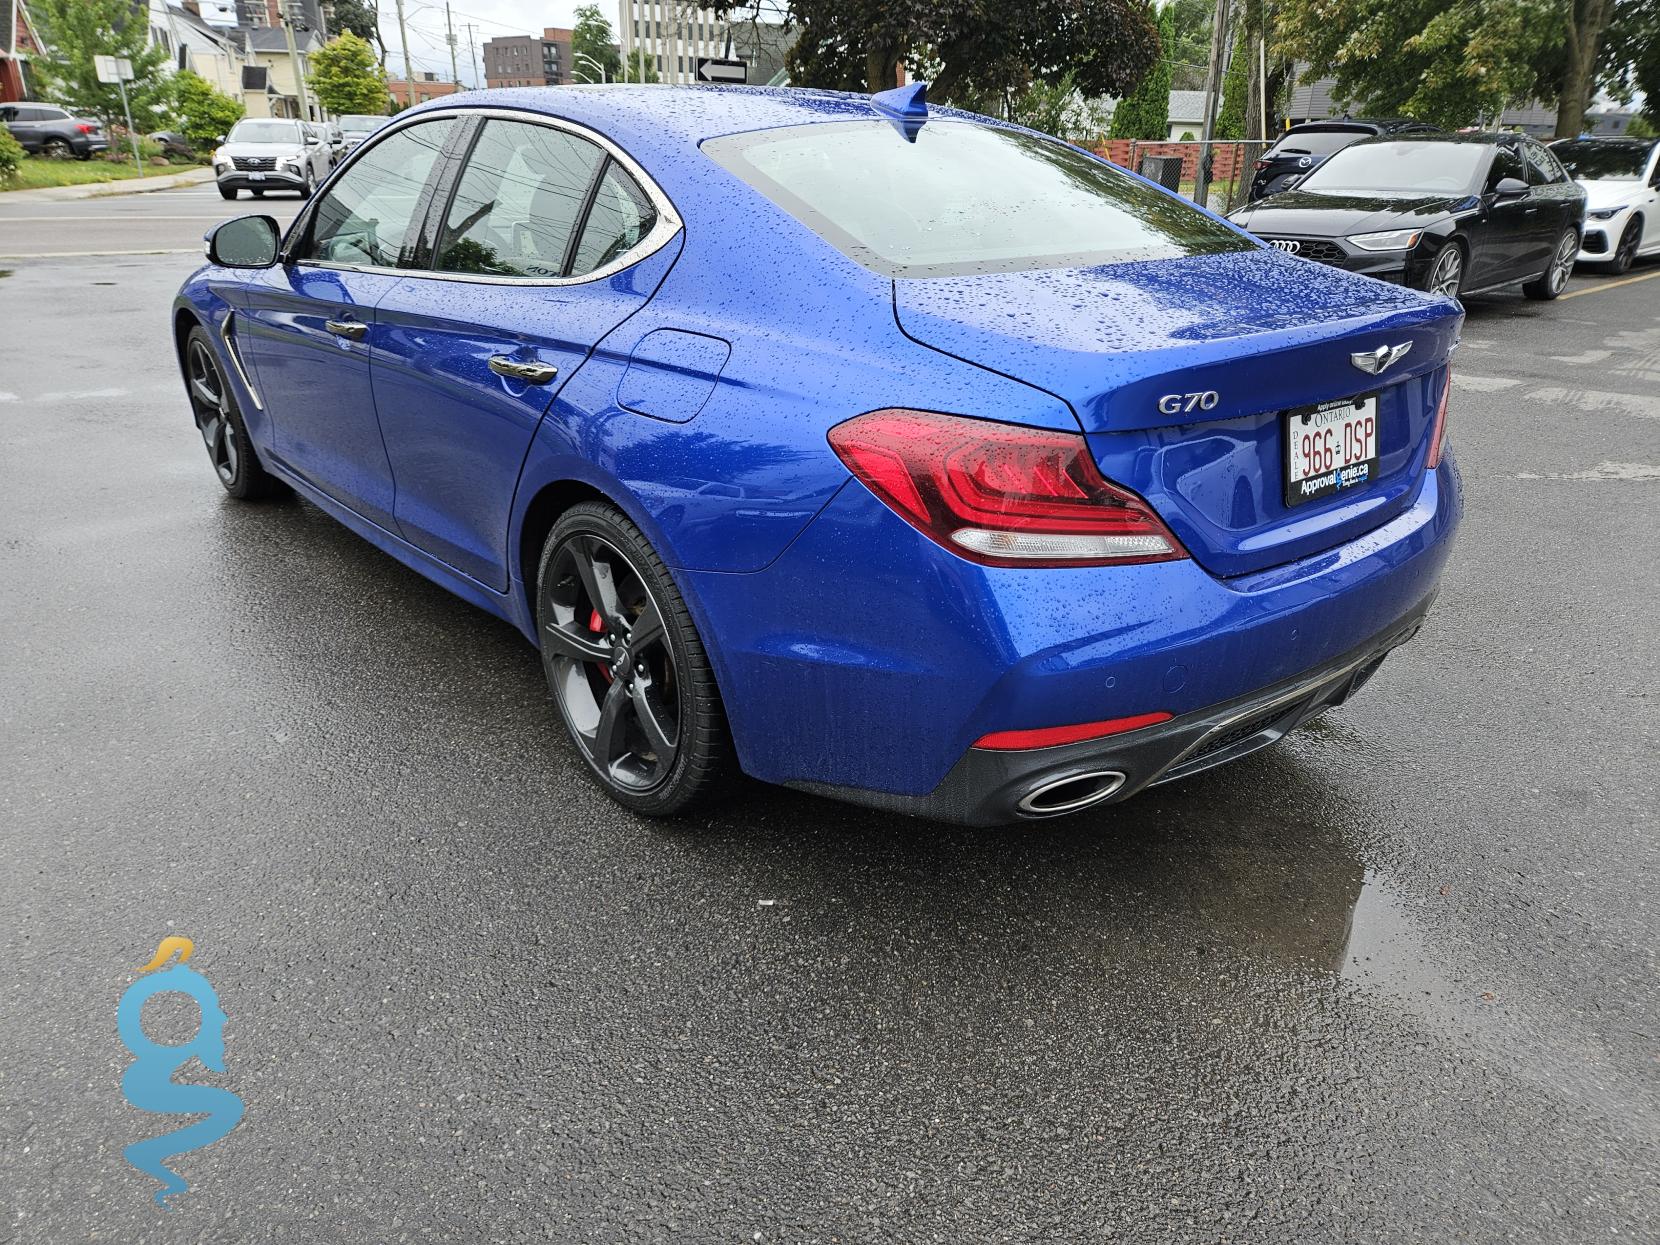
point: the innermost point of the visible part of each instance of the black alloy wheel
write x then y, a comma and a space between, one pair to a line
1625, 254
220, 422
1550, 283
1446, 276
625, 665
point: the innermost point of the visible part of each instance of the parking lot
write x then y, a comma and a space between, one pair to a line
1395, 979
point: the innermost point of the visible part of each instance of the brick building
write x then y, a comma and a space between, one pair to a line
529, 60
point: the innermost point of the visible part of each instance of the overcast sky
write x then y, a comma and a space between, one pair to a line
489, 18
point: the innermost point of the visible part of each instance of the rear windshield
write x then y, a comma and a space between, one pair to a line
1591, 161
1399, 169
1316, 142
964, 198
266, 132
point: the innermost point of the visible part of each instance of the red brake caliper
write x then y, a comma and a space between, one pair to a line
597, 625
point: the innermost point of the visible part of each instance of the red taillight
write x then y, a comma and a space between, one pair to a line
1260, 165
1050, 736
1001, 494
84, 128
1438, 433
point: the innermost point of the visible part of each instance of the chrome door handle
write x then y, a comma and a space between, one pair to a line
530, 373
346, 328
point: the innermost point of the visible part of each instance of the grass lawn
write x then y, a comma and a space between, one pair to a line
34, 173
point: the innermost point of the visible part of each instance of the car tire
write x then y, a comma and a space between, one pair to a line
1550, 283
1446, 274
56, 149
227, 192
1625, 251
621, 685
219, 420
258, 194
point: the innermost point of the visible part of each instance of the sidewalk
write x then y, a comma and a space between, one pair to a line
101, 190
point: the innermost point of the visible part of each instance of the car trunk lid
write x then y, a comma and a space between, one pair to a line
1128, 345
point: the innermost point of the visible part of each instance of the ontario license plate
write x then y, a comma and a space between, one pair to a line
1330, 446
256, 177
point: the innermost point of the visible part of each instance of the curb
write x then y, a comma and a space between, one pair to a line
108, 190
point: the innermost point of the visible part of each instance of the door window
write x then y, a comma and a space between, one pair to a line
518, 201
620, 218
1542, 168
1507, 162
367, 217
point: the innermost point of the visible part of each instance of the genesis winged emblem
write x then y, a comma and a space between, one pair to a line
148, 1082
1381, 359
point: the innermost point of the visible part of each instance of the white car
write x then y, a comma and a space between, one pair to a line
1621, 177
270, 153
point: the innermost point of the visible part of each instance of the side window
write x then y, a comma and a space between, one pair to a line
622, 215
517, 202
8, 113
1541, 168
1507, 162
367, 216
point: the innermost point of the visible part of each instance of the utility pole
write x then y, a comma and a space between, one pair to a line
449, 36
291, 14
472, 57
1213, 84
409, 65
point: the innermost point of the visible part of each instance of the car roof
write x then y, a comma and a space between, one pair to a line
1378, 124
1486, 138
1609, 140
657, 118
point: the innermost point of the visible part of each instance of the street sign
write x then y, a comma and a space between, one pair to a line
113, 69
713, 69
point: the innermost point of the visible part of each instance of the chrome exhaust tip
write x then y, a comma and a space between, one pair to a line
1069, 793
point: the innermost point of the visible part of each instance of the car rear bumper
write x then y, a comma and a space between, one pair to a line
866, 661
989, 787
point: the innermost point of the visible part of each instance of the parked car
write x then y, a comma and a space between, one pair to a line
270, 154
53, 132
1302, 147
1621, 177
172, 143
328, 134
1456, 214
1008, 484
356, 127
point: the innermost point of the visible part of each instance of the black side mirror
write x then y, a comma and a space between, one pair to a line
246, 242
1509, 188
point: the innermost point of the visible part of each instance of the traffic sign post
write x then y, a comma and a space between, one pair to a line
732, 72
119, 71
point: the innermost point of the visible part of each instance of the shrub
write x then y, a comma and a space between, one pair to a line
11, 155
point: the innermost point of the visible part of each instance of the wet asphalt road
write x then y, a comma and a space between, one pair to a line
1393, 980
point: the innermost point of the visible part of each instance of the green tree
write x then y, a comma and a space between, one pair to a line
1452, 62
1145, 112
593, 43
1236, 91
205, 113
75, 31
1631, 55
971, 50
641, 68
362, 18
346, 78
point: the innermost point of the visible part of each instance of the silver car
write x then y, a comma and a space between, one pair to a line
355, 127
270, 154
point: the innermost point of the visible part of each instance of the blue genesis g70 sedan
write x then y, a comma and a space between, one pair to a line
889, 453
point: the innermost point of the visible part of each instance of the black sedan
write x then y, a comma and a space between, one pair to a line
1304, 147
1453, 213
